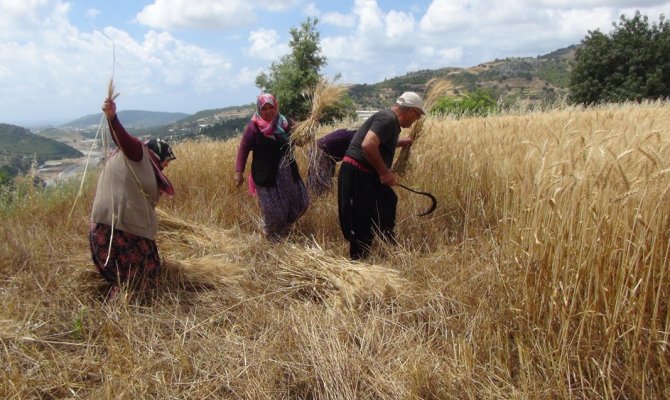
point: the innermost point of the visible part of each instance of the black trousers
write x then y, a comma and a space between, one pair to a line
365, 206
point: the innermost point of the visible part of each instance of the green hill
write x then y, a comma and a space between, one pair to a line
530, 79
19, 146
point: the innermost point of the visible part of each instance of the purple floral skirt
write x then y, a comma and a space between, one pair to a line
132, 258
282, 204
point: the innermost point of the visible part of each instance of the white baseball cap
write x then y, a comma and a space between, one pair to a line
411, 99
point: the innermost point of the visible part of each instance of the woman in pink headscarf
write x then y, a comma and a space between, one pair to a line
281, 192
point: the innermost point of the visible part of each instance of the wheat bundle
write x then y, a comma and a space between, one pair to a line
197, 236
324, 95
208, 270
216, 267
311, 273
168, 223
435, 90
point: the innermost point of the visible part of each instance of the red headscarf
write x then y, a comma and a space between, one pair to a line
278, 124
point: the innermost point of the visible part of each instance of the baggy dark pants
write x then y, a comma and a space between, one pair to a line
365, 206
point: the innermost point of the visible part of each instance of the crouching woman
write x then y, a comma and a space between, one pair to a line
123, 219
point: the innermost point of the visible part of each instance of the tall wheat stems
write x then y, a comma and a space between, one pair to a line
435, 89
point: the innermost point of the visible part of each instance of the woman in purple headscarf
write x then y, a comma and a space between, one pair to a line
281, 192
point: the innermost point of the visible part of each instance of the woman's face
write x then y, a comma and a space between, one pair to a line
268, 112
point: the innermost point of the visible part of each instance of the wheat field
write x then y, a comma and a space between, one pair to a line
543, 274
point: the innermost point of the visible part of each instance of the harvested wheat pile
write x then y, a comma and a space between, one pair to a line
310, 272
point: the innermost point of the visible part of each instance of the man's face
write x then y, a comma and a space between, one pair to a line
409, 117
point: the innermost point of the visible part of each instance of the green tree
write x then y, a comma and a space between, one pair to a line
290, 78
632, 63
296, 73
477, 103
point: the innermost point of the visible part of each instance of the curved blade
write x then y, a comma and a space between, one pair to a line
432, 199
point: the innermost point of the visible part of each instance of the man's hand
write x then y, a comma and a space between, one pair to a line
238, 178
389, 178
404, 142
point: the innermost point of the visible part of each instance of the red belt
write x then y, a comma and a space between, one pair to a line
355, 163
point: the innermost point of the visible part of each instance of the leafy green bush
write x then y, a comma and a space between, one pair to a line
477, 103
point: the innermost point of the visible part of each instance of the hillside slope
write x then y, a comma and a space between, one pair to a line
16, 140
531, 79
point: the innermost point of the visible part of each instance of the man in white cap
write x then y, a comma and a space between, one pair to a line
366, 201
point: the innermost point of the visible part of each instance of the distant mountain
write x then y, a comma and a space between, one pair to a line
130, 118
19, 146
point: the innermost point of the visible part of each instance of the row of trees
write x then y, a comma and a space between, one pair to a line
631, 63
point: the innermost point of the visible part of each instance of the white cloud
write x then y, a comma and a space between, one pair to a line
311, 10
245, 77
371, 51
20, 19
399, 25
446, 15
339, 20
265, 45
280, 5
92, 13
49, 67
201, 14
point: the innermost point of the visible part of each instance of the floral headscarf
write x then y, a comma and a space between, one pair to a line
279, 124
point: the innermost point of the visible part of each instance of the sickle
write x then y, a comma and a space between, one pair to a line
432, 199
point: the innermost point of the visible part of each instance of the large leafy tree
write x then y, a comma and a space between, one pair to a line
291, 78
632, 63
297, 73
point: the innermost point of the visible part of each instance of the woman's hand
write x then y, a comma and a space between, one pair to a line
238, 178
109, 108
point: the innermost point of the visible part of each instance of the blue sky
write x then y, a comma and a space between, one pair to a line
56, 56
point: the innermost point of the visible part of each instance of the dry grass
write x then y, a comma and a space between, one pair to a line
542, 274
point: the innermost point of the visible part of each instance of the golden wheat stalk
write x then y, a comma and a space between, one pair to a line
435, 90
309, 272
209, 270
324, 95
110, 90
